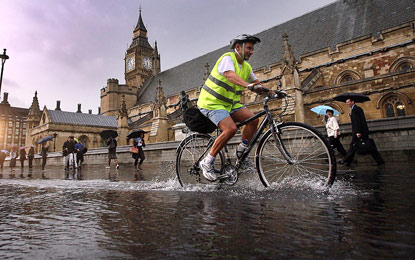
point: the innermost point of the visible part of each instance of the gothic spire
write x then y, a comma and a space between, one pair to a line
156, 52
160, 98
34, 109
140, 25
288, 56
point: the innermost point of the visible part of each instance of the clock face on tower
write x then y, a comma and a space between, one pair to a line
147, 63
130, 63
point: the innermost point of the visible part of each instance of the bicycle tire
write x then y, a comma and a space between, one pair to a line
188, 152
313, 157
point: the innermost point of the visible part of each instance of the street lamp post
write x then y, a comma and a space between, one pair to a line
3, 57
54, 141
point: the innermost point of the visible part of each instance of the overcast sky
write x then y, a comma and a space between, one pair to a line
67, 49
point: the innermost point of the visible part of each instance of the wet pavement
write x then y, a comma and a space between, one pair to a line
99, 213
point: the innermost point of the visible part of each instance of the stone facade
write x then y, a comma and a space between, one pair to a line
380, 65
13, 124
86, 127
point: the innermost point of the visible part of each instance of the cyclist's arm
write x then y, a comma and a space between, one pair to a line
235, 79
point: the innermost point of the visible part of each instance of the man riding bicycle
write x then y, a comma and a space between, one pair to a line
220, 96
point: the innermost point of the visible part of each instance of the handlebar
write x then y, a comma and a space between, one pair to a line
275, 94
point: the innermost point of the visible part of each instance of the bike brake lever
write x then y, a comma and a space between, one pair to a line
280, 94
253, 88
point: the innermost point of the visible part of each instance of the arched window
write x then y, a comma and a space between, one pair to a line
402, 64
394, 107
405, 66
43, 119
347, 76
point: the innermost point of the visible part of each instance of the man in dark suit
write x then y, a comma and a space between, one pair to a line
360, 130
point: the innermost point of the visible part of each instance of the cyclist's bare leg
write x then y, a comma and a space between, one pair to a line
229, 129
250, 128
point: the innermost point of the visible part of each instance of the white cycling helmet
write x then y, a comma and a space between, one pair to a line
242, 39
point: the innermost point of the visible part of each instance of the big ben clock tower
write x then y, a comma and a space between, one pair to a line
139, 58
141, 62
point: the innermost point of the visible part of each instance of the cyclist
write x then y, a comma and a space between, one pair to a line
220, 96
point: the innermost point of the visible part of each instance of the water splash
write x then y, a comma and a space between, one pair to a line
249, 185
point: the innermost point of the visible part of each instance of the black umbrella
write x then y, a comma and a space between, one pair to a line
108, 133
45, 139
135, 133
357, 97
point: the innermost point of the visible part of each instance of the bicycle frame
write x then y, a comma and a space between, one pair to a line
275, 132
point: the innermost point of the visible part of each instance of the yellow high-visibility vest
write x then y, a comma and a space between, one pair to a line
218, 92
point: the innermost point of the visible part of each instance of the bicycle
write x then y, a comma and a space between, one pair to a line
285, 150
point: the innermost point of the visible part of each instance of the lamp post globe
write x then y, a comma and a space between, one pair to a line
3, 58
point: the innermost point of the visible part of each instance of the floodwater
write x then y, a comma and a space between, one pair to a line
106, 214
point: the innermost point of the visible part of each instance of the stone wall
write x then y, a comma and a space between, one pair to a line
394, 137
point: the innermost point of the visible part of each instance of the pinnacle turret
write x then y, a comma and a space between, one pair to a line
34, 109
140, 25
288, 56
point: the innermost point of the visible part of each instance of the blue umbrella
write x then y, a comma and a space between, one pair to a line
45, 139
322, 109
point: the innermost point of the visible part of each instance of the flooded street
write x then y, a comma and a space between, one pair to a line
104, 214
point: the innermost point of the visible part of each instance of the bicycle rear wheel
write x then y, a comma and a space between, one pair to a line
312, 157
189, 153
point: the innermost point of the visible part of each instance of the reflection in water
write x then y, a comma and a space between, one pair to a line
367, 214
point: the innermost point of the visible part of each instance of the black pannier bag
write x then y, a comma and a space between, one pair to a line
197, 122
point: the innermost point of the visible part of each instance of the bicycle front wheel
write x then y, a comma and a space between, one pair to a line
189, 153
310, 156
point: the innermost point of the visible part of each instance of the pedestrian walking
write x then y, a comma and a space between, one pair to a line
112, 152
68, 151
333, 132
44, 151
30, 156
13, 157
139, 144
79, 149
22, 157
360, 135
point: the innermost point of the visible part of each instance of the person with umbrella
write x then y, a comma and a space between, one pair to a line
139, 144
332, 126
333, 132
360, 130
31, 155
13, 156
44, 151
112, 152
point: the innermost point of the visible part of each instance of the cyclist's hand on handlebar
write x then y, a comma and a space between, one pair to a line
258, 88
280, 94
